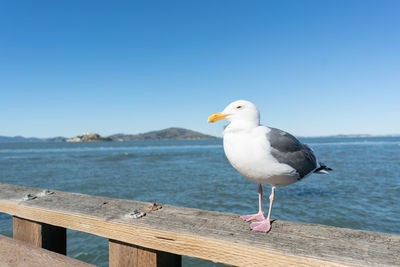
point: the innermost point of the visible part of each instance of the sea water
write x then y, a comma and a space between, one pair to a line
362, 191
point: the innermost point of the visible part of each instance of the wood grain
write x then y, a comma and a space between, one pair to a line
123, 254
27, 231
216, 236
16, 253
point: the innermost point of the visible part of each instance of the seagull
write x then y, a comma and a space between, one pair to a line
264, 155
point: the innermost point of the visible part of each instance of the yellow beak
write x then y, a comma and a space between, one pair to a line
217, 116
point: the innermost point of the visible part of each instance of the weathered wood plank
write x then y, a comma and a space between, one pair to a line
16, 253
27, 231
123, 254
41, 235
215, 236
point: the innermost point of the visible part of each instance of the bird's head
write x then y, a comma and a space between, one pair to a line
239, 111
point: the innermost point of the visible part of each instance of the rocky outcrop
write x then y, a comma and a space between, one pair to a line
89, 137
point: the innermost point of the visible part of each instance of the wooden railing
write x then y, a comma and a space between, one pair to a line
165, 233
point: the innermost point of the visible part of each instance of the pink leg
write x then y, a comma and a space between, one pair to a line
265, 225
258, 216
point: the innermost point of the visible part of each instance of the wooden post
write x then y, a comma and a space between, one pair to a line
42, 235
123, 254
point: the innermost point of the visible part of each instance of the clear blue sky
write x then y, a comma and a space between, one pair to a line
312, 67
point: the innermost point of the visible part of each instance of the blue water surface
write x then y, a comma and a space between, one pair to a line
362, 192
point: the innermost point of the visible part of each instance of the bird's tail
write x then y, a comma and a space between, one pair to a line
322, 169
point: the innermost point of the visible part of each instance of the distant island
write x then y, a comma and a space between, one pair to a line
89, 137
172, 133
166, 134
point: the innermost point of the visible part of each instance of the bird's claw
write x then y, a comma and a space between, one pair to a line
258, 217
261, 226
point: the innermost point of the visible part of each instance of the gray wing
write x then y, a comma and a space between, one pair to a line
288, 150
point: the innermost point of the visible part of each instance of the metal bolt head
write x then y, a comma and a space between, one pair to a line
136, 214
28, 197
45, 192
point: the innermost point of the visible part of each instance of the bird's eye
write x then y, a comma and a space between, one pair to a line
239, 107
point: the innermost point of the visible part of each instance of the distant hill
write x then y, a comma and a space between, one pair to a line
56, 139
19, 139
165, 134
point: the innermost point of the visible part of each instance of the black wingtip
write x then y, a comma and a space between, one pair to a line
323, 167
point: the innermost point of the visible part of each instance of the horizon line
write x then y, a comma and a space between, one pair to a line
298, 136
